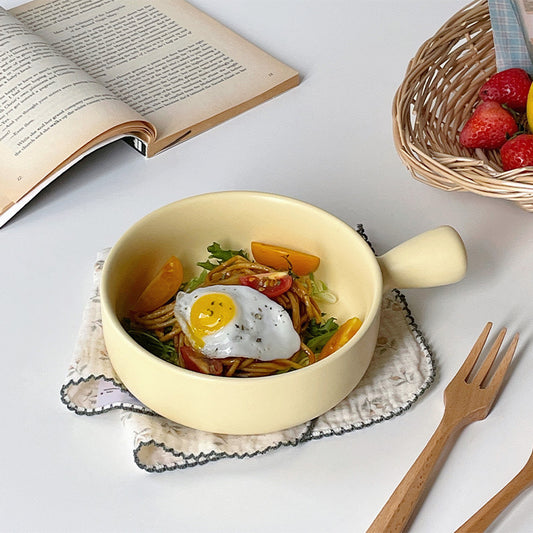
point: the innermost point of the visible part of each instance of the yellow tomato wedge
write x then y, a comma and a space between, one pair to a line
341, 336
164, 285
281, 258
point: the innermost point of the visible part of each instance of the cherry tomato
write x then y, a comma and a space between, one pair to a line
197, 362
281, 258
341, 336
162, 287
271, 284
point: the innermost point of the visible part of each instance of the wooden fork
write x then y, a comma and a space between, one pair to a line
491, 510
468, 397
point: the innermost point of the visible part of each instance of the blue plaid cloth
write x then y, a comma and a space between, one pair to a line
512, 48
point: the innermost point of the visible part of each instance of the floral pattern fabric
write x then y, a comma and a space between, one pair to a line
401, 370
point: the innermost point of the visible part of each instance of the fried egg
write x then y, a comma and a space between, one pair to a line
235, 320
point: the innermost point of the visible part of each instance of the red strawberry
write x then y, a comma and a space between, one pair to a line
489, 127
509, 87
517, 152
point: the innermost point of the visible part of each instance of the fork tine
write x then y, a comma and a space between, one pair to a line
497, 378
472, 358
484, 370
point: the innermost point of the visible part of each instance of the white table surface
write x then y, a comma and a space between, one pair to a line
327, 142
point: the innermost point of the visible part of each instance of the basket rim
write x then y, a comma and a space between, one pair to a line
479, 171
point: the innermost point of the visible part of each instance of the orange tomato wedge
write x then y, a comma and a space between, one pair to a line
281, 258
341, 336
164, 285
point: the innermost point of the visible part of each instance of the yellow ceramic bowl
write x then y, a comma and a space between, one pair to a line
234, 219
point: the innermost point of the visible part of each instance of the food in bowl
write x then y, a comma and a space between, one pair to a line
239, 317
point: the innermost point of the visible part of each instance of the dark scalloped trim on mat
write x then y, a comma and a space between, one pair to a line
204, 458
98, 410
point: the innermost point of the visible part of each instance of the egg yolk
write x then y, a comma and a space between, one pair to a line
209, 313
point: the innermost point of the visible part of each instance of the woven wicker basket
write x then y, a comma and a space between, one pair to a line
436, 98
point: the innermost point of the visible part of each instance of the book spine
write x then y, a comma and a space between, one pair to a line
139, 145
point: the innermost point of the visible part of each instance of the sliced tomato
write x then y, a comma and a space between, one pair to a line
341, 336
281, 258
271, 284
197, 362
162, 287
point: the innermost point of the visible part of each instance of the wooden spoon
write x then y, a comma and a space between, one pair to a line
491, 510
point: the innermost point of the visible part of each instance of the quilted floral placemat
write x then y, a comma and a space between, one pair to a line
402, 368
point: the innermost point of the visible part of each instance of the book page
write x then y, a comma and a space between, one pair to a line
170, 62
49, 109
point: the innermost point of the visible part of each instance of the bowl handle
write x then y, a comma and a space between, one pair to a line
436, 257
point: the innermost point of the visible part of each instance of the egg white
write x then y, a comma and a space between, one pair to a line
260, 329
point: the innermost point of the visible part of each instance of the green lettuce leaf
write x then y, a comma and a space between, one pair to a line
163, 350
219, 255
318, 333
320, 291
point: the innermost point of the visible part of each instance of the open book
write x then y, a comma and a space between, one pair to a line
77, 74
